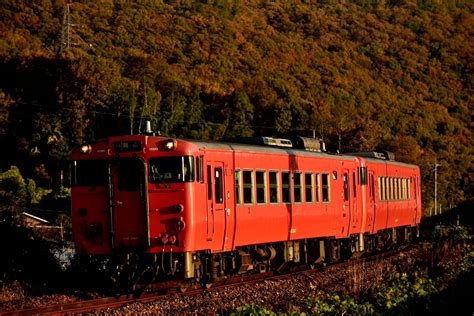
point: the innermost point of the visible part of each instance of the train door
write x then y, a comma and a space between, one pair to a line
210, 204
416, 193
347, 211
216, 203
128, 203
355, 215
371, 207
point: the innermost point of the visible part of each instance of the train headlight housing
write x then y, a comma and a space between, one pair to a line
171, 144
85, 149
179, 208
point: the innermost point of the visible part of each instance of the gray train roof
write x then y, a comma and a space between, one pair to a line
287, 151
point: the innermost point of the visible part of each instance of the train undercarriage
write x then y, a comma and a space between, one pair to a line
132, 272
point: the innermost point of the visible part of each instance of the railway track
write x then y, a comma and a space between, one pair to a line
101, 304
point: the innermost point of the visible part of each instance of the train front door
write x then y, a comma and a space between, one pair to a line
128, 204
217, 211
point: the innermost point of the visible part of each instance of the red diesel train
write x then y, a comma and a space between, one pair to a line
201, 210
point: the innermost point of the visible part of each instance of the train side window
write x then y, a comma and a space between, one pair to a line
238, 183
399, 196
380, 187
408, 188
89, 173
297, 186
384, 188
200, 168
260, 185
346, 186
248, 186
392, 188
325, 187
218, 185
387, 188
372, 186
395, 189
404, 188
402, 192
285, 187
317, 190
395, 193
308, 184
274, 187
354, 184
363, 176
209, 182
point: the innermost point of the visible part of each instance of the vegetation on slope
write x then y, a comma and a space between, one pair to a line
363, 74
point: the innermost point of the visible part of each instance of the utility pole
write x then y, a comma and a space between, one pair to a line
66, 30
436, 189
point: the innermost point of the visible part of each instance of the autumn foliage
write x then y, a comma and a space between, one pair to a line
394, 74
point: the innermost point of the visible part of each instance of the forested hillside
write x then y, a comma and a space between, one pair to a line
363, 74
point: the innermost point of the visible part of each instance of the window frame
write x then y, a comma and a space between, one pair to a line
247, 186
326, 188
286, 187
275, 186
261, 186
310, 187
238, 187
297, 187
317, 188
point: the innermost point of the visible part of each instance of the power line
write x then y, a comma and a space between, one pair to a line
136, 117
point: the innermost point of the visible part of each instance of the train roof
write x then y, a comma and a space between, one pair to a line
261, 148
370, 157
289, 151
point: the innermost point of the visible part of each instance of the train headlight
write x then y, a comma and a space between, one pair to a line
85, 149
164, 239
179, 208
172, 239
171, 144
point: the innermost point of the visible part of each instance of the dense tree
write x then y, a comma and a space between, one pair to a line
363, 74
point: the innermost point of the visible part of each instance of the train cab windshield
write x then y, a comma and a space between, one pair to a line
172, 169
89, 173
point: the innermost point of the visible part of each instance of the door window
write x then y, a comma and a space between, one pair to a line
130, 175
209, 182
346, 187
218, 185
